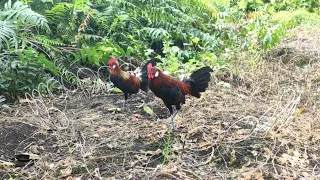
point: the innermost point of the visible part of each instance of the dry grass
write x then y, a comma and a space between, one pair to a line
264, 127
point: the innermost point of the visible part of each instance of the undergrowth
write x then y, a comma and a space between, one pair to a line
184, 34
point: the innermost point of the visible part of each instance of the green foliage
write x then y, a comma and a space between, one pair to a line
146, 24
64, 74
23, 71
167, 148
279, 5
16, 19
272, 37
185, 34
25, 54
89, 56
100, 53
291, 5
296, 18
65, 18
46, 41
251, 5
8, 35
22, 15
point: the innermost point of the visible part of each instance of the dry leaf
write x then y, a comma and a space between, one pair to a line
96, 135
102, 131
35, 149
45, 127
153, 139
27, 100
66, 172
157, 152
170, 168
255, 153
113, 109
6, 164
258, 176
34, 156
253, 175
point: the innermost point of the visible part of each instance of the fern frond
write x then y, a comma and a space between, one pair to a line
83, 5
205, 37
89, 37
57, 13
64, 72
23, 14
205, 4
66, 32
156, 33
161, 16
47, 41
7, 34
123, 3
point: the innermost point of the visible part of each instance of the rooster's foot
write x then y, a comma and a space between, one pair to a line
169, 120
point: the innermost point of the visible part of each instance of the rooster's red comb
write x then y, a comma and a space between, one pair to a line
112, 60
149, 67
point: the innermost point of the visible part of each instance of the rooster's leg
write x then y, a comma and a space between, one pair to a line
124, 104
171, 120
125, 99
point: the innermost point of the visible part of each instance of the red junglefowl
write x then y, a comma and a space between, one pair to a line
173, 91
127, 82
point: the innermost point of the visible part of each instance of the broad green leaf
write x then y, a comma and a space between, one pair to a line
117, 90
147, 109
128, 53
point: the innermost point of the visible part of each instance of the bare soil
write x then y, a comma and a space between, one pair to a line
266, 126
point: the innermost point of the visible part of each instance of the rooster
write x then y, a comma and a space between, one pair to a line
127, 82
173, 91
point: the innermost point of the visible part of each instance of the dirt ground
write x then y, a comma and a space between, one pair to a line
266, 126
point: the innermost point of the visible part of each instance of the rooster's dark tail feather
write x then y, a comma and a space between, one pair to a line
199, 81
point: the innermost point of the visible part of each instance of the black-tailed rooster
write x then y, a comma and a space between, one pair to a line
173, 91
